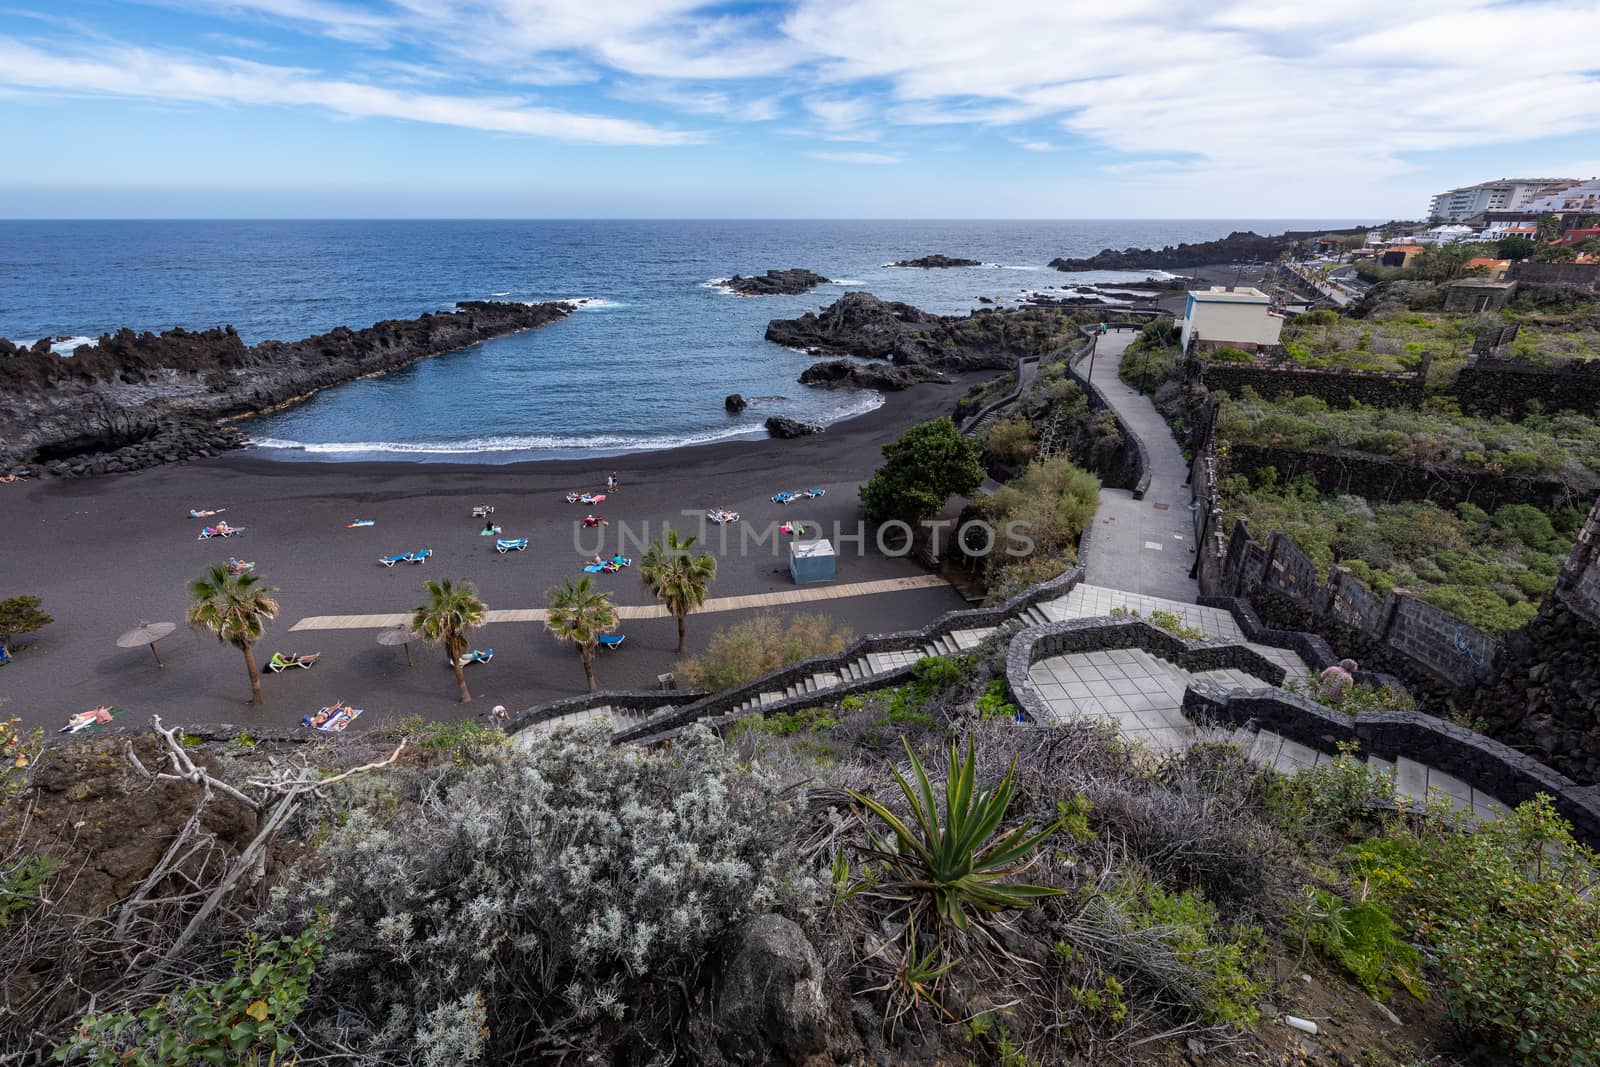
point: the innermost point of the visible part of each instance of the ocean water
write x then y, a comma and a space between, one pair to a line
645, 363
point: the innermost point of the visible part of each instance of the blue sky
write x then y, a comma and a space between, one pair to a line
807, 108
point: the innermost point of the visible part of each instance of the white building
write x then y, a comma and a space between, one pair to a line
1507, 194
1582, 198
1239, 317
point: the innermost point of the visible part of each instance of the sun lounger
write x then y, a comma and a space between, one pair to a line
360, 522
205, 513
720, 516
612, 641
592, 498
510, 544
786, 496
332, 719
221, 529
390, 561
477, 655
483, 511
812, 494
420, 555
88, 720
280, 663
240, 566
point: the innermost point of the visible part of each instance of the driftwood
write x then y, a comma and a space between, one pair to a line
279, 796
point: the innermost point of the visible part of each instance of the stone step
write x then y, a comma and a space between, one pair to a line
825, 680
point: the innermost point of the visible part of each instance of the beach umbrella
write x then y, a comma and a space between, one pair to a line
147, 633
398, 635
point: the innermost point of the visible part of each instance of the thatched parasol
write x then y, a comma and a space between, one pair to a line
147, 633
398, 635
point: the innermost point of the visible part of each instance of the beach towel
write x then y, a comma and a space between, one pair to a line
88, 720
795, 528
332, 719
221, 529
360, 522
489, 531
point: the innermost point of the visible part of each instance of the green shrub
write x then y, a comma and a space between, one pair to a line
1509, 913
1361, 938
748, 649
1010, 441
992, 704
1224, 961
1229, 355
246, 1018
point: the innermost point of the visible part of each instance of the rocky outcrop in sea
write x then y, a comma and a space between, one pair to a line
860, 324
784, 427
134, 400
776, 283
937, 261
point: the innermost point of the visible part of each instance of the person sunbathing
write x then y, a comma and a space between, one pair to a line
597, 561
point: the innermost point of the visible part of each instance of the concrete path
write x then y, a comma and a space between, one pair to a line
1142, 546
650, 611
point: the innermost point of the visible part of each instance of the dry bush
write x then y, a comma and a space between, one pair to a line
756, 646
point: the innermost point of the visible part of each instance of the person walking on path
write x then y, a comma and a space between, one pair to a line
1335, 680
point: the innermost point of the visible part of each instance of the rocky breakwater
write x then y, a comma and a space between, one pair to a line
776, 283
134, 400
1238, 246
846, 373
937, 261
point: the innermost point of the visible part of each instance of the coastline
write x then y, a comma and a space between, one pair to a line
296, 512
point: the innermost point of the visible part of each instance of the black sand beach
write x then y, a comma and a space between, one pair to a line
108, 552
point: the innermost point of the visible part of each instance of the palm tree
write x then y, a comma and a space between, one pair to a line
237, 608
447, 618
677, 579
579, 613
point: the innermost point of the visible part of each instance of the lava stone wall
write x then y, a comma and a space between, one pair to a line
1488, 386
1382, 479
1335, 388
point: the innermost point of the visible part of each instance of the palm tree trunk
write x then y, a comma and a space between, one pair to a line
682, 619
461, 679
587, 652
256, 696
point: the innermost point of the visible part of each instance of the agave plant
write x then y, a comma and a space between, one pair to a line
959, 860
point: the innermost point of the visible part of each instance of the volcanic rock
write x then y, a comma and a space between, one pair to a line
784, 427
734, 403
776, 282
841, 373
937, 260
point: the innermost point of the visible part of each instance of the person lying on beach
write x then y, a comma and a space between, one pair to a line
92, 717
597, 560
594, 520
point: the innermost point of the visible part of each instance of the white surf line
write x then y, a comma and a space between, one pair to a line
648, 611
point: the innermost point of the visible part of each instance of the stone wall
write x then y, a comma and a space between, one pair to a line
1380, 479
1433, 652
1136, 456
1546, 698
1483, 763
1491, 386
1581, 275
1336, 388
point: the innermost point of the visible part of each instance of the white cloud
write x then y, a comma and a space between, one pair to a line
1038, 146
877, 158
172, 76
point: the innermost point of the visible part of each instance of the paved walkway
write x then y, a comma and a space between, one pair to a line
1142, 546
650, 611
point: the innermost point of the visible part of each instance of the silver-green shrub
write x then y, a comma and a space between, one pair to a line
547, 901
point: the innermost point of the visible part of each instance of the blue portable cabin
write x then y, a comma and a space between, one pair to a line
812, 561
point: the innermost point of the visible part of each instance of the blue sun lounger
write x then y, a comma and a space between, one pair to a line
612, 641
477, 655
510, 544
420, 555
812, 494
786, 496
390, 561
